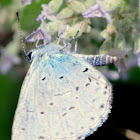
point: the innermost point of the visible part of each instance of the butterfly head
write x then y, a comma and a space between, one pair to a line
47, 50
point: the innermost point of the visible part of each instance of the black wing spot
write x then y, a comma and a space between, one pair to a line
79, 138
92, 118
102, 106
91, 130
106, 87
22, 128
89, 79
51, 103
43, 78
61, 77
71, 133
41, 112
41, 137
64, 114
41, 55
102, 120
77, 88
87, 84
30, 111
97, 83
85, 70
72, 107
82, 127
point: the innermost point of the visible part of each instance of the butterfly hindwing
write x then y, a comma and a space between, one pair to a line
62, 97
77, 97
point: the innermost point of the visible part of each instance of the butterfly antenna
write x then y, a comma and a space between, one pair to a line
70, 41
59, 37
21, 36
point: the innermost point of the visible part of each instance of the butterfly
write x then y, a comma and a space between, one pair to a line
63, 97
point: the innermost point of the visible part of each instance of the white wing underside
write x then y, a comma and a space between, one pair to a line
62, 100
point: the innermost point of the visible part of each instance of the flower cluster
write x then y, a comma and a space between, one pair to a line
109, 22
74, 17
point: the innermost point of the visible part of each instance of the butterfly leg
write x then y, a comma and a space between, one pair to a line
97, 60
75, 47
37, 46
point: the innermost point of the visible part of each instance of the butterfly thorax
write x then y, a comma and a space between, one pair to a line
47, 50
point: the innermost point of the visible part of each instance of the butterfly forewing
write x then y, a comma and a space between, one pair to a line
62, 97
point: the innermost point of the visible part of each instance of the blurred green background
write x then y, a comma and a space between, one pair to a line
126, 103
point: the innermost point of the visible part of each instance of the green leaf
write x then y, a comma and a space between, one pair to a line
30, 14
9, 91
5, 2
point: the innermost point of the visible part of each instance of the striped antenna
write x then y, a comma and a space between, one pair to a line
21, 36
70, 41
81, 27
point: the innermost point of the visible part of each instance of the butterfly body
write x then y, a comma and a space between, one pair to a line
62, 97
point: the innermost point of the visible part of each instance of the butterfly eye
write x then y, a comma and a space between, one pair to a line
29, 54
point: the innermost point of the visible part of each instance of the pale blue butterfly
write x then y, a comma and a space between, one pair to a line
63, 96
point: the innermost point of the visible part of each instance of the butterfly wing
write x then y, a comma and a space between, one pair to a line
25, 125
64, 98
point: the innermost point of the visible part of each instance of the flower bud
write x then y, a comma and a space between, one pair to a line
76, 30
89, 3
126, 24
76, 6
88, 29
46, 13
108, 31
107, 44
137, 44
109, 5
53, 26
65, 13
54, 5
137, 47
120, 48
119, 42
